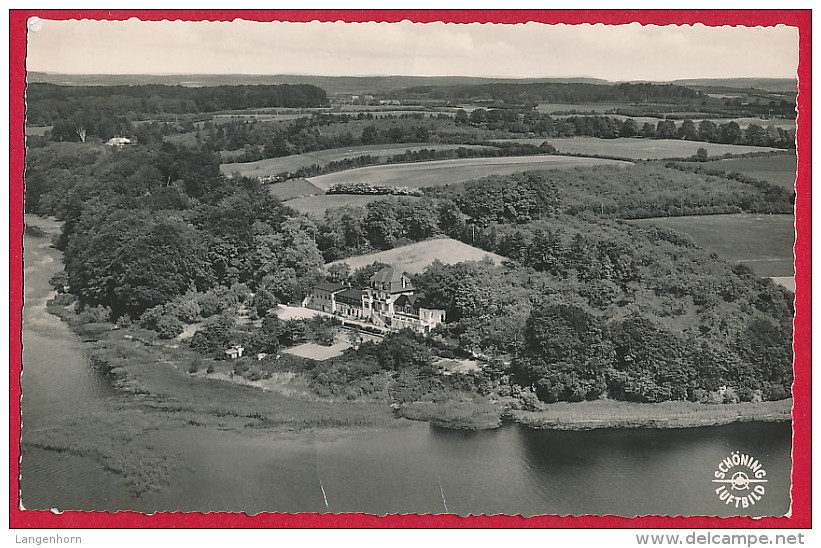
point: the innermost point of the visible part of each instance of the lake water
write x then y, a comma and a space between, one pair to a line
418, 469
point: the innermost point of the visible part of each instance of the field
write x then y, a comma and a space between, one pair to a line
314, 351
273, 166
640, 149
762, 242
295, 188
778, 169
443, 172
413, 258
37, 130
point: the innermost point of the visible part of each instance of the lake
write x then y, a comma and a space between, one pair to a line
417, 469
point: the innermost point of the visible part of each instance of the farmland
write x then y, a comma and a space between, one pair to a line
640, 149
444, 172
295, 188
413, 258
762, 242
777, 169
273, 166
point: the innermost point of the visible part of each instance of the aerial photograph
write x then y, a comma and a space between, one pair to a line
408, 268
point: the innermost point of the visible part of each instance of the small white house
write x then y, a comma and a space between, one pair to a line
234, 352
118, 141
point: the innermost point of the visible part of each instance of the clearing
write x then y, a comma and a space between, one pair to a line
777, 169
414, 258
444, 172
317, 352
274, 166
762, 242
295, 188
639, 149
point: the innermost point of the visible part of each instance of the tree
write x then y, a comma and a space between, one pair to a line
688, 131
707, 131
370, 135
217, 334
755, 135
666, 129
702, 155
163, 261
263, 302
340, 272
478, 116
266, 338
381, 225
629, 128
729, 133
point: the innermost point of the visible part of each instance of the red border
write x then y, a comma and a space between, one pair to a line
801, 490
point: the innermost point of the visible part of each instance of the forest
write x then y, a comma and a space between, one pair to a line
106, 111
517, 94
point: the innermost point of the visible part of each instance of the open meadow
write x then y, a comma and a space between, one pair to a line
295, 188
274, 166
37, 130
413, 258
639, 149
444, 172
777, 169
762, 242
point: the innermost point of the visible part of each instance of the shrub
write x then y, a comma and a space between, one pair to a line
239, 293
63, 299
94, 314
93, 330
186, 309
263, 302
168, 327
124, 321
59, 282
35, 231
151, 317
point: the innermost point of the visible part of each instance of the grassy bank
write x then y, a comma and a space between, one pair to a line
454, 415
677, 414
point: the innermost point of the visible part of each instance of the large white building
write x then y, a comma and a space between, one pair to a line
388, 301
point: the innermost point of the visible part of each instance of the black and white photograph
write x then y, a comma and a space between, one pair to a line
409, 268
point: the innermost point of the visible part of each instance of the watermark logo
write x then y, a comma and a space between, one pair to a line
740, 480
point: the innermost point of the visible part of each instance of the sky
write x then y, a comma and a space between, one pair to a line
532, 50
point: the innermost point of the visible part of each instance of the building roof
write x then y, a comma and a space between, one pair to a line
352, 293
330, 286
407, 300
393, 278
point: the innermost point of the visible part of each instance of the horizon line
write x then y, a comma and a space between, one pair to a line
309, 75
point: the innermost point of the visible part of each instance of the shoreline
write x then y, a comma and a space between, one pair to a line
604, 414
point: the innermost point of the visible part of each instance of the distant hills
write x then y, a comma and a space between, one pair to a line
334, 85
331, 84
767, 84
